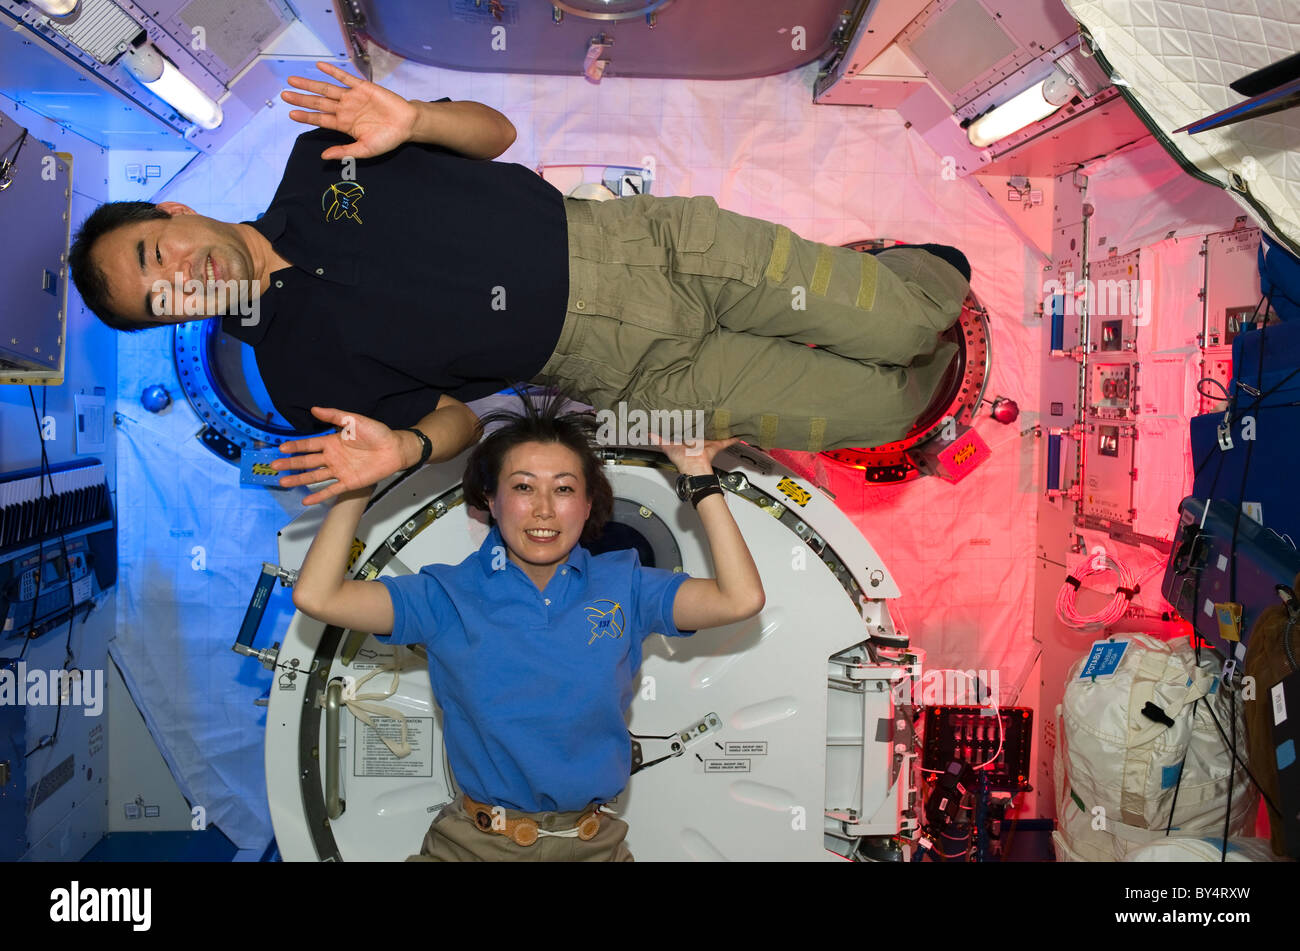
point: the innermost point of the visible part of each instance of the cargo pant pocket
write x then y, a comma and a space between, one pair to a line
663, 265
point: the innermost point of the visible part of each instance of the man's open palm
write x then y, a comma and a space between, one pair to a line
379, 119
362, 452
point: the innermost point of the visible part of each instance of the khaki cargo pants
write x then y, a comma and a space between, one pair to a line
453, 837
676, 304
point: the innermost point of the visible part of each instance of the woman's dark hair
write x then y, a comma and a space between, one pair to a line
91, 282
544, 424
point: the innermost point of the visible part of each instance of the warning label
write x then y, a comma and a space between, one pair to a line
372, 758
369, 660
726, 766
752, 748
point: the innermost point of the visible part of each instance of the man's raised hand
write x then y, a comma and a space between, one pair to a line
380, 120
362, 452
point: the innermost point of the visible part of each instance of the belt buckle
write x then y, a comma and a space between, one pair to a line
521, 831
524, 833
588, 826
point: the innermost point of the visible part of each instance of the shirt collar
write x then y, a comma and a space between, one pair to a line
271, 225
577, 560
250, 333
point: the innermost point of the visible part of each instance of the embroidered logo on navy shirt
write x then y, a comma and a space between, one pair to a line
605, 622
340, 201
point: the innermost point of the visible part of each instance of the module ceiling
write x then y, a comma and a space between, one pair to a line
689, 39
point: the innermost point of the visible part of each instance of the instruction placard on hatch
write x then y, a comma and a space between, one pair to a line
726, 766
372, 758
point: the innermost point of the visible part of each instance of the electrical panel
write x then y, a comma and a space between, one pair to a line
1115, 303
1115, 308
1231, 297
1113, 390
53, 758
1135, 395
1062, 331
975, 736
1232, 293
1108, 452
36, 190
1216, 364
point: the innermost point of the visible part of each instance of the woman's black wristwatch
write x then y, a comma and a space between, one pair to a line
693, 488
426, 447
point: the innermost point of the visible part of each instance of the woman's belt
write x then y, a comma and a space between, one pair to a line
524, 830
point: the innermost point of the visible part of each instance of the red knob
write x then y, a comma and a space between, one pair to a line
1005, 411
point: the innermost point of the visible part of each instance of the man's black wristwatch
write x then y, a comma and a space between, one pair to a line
426, 447
693, 488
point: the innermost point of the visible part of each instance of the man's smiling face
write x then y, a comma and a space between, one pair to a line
141, 261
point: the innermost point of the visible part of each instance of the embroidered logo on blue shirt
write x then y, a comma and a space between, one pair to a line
605, 622
340, 201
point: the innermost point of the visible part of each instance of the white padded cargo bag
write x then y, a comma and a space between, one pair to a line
1117, 770
1184, 848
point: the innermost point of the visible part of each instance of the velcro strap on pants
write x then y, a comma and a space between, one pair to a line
779, 260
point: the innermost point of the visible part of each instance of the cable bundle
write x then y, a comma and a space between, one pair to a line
1125, 589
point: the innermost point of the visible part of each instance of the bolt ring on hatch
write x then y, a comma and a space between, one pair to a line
219, 376
958, 397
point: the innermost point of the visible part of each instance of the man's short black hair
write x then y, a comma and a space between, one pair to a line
544, 424
91, 282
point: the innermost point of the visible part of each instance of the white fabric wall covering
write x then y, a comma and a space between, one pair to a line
1179, 57
1140, 195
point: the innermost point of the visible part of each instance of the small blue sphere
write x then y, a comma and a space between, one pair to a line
155, 398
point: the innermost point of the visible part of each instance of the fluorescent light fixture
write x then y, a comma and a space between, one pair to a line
161, 77
54, 8
1033, 105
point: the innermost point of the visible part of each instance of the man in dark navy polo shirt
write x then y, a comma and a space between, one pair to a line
389, 269
368, 260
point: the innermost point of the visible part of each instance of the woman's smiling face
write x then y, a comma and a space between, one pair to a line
541, 506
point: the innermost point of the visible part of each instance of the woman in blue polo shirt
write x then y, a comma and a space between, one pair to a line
534, 643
